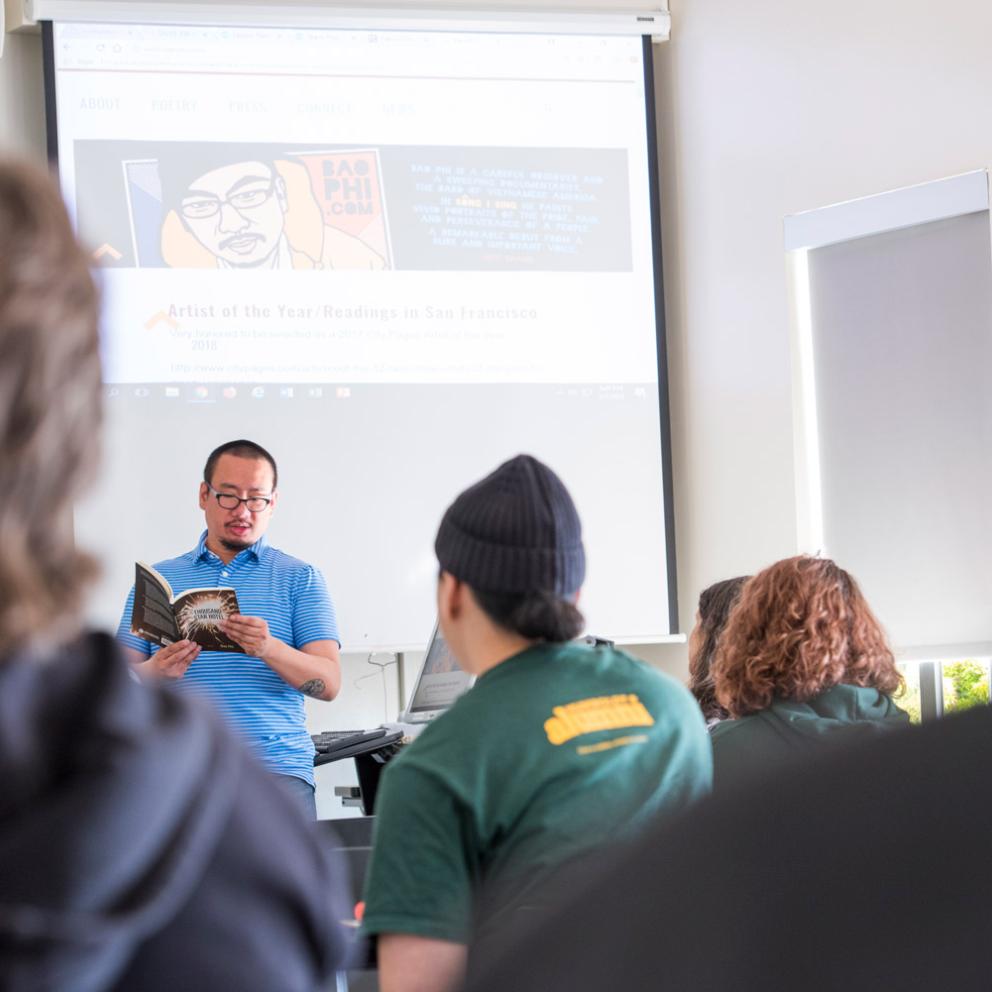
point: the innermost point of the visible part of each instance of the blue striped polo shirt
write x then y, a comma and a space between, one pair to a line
292, 597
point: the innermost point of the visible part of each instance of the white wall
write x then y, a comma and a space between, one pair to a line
768, 107
22, 98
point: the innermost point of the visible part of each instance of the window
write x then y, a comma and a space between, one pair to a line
935, 688
909, 698
964, 684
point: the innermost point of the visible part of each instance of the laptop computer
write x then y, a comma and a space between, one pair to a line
439, 683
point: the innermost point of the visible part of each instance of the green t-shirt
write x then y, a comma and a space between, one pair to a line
555, 751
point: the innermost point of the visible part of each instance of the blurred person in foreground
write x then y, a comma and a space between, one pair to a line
558, 750
715, 602
140, 847
802, 661
863, 868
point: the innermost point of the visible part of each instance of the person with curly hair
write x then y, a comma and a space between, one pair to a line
802, 659
715, 602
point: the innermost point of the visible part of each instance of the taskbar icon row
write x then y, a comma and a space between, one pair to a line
219, 392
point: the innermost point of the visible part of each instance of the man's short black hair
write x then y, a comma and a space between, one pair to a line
240, 449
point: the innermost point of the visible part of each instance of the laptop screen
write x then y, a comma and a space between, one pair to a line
440, 681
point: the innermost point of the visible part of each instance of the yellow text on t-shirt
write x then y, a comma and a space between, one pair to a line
587, 716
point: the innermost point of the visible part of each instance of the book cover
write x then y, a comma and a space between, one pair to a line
162, 618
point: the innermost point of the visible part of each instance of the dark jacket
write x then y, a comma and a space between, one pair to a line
141, 848
789, 730
863, 868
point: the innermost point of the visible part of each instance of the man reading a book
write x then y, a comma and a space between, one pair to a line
287, 626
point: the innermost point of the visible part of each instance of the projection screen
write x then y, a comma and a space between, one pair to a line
394, 258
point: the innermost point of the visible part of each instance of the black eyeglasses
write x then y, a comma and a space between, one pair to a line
228, 501
201, 207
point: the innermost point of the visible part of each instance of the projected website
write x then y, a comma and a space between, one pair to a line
394, 258
316, 206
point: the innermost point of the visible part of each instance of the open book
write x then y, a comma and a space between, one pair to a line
162, 618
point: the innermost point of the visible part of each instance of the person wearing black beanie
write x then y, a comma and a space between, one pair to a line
516, 540
559, 748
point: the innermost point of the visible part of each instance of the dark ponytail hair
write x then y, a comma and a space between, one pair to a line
715, 604
538, 616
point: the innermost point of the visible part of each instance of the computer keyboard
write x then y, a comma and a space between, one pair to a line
331, 741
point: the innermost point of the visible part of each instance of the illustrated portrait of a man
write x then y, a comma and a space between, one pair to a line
234, 207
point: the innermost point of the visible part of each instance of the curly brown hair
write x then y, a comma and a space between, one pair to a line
800, 627
49, 408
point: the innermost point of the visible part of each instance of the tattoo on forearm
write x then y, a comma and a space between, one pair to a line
312, 687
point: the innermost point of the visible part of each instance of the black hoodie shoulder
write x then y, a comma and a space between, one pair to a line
142, 848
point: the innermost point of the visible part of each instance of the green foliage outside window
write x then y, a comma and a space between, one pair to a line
966, 684
963, 683
908, 697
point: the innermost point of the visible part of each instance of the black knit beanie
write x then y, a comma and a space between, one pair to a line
515, 532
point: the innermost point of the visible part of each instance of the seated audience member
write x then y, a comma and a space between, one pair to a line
802, 658
715, 602
862, 869
140, 847
558, 749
